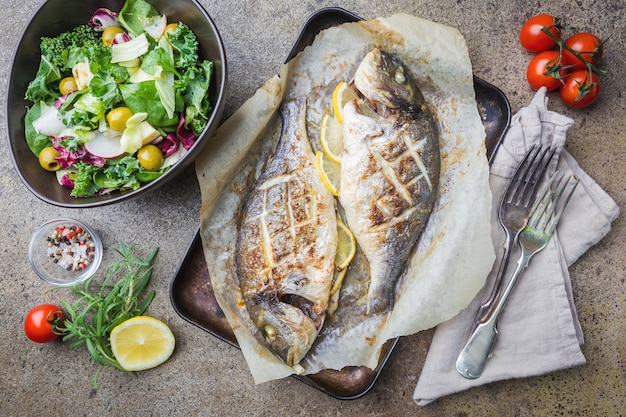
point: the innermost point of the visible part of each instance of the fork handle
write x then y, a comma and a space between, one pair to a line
486, 307
473, 357
471, 361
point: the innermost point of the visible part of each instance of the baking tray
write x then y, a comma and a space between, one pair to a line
191, 293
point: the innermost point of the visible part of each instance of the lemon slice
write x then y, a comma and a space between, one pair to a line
329, 171
141, 343
346, 246
331, 137
346, 249
341, 95
337, 281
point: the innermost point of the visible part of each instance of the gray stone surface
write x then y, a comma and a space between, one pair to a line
207, 377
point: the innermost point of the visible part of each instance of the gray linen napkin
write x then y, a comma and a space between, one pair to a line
539, 330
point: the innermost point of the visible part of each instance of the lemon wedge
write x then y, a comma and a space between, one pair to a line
331, 137
141, 343
329, 171
341, 95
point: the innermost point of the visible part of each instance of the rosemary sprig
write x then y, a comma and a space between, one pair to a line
90, 319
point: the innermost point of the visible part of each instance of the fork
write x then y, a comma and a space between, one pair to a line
513, 214
545, 214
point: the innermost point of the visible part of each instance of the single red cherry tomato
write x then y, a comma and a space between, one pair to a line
581, 88
588, 45
532, 37
39, 321
545, 70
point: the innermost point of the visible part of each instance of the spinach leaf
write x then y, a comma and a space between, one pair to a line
36, 141
133, 13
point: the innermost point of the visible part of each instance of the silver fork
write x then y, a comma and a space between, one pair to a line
513, 214
545, 214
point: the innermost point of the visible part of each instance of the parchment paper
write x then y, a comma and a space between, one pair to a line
454, 255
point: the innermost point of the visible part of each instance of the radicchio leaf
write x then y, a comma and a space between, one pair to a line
168, 145
67, 157
187, 137
66, 181
103, 18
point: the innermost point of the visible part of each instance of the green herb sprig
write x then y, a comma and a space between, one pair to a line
94, 314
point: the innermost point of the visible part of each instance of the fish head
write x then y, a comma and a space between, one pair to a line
382, 80
287, 330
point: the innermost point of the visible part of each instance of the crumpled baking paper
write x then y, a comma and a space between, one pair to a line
455, 254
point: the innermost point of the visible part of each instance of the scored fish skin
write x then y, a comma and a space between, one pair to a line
287, 243
389, 170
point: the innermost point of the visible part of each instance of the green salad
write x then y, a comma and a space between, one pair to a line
118, 100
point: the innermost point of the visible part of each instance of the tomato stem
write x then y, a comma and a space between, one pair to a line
578, 55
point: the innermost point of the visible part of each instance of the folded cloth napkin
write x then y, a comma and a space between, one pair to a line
539, 330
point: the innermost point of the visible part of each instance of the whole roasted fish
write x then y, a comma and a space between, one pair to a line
287, 242
389, 170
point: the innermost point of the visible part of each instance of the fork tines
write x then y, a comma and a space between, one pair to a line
529, 174
548, 207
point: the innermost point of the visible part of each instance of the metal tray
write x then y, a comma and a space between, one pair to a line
191, 293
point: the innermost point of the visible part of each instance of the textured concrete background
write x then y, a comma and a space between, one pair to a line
207, 377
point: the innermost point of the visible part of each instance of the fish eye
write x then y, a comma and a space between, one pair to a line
399, 76
269, 333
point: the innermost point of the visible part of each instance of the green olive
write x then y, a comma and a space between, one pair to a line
47, 159
118, 117
150, 157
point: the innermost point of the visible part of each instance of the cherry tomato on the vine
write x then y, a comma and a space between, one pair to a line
545, 70
580, 90
38, 324
588, 45
532, 37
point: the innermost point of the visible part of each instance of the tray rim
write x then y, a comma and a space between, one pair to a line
347, 16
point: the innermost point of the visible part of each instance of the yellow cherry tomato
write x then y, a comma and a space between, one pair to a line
67, 85
150, 157
108, 35
117, 118
47, 159
170, 28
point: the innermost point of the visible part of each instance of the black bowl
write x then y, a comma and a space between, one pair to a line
57, 16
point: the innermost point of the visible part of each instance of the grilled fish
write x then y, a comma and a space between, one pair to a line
389, 170
287, 242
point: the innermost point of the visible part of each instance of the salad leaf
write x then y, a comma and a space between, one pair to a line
147, 176
196, 84
143, 97
123, 172
88, 110
127, 51
104, 87
160, 63
134, 13
103, 18
56, 49
39, 89
159, 59
97, 55
132, 138
184, 41
84, 185
35, 140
